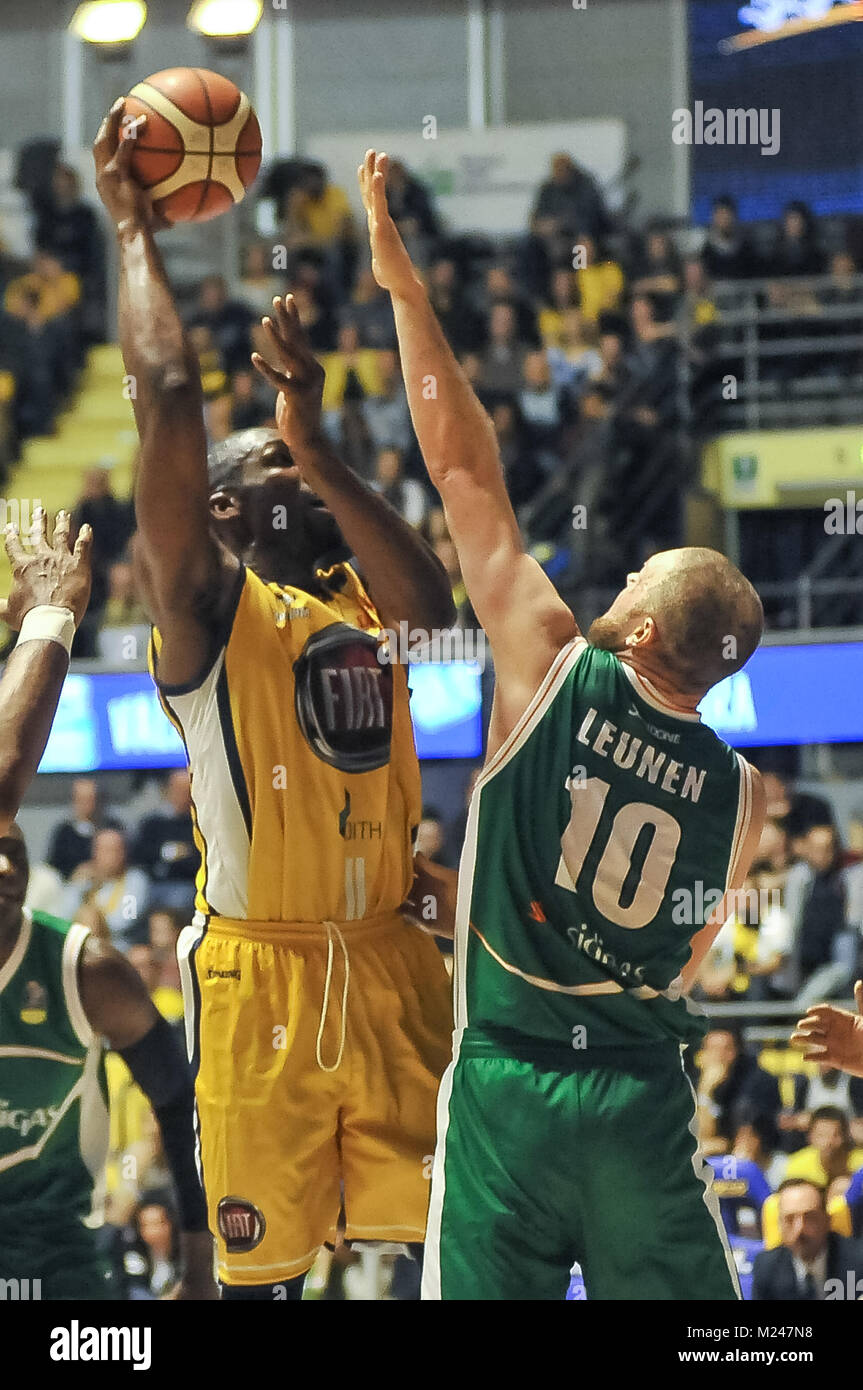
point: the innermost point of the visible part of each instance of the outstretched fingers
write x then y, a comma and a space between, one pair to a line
278, 380
83, 545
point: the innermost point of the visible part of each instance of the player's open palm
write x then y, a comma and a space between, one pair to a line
391, 264
298, 378
833, 1037
49, 572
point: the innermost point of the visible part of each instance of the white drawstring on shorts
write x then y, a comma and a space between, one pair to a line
331, 927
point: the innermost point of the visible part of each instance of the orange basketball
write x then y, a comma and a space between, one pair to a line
200, 148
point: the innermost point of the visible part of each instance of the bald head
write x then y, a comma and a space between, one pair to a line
694, 608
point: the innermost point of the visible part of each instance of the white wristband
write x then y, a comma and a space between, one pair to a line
46, 621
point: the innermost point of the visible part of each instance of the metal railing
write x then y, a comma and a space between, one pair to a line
794, 348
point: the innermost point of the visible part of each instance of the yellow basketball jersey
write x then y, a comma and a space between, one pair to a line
305, 780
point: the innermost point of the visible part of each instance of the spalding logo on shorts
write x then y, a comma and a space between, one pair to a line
344, 699
241, 1225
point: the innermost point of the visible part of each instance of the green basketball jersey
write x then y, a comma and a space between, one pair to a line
53, 1095
600, 838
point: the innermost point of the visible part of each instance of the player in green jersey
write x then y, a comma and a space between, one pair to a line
605, 838
61, 993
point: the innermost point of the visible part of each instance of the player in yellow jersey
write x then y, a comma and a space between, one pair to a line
318, 1018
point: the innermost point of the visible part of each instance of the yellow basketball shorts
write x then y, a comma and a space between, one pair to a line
318, 1050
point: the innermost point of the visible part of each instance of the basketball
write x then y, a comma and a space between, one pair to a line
200, 149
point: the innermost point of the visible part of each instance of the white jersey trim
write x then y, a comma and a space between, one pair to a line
219, 815
548, 689
19, 950
744, 819
72, 947
651, 696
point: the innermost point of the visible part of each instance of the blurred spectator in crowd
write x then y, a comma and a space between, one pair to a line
462, 325
756, 1140
697, 312
248, 404
351, 369
830, 1152
317, 317
751, 946
168, 999
727, 253
68, 229
124, 633
774, 849
53, 291
503, 358
574, 356
658, 272
164, 927
412, 211
599, 280
842, 289
41, 313
541, 403
810, 1253
112, 521
107, 881
348, 429
731, 1087
229, 322
499, 287
371, 311
811, 1092
568, 202
123, 607
387, 415
562, 296
796, 812
165, 847
151, 1249
405, 494
431, 835
796, 250
825, 906
215, 383
71, 842
44, 889
318, 217
521, 464
259, 282
446, 552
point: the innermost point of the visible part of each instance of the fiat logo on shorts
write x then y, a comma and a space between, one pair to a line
241, 1225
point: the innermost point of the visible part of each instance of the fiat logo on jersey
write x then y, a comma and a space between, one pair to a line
241, 1225
344, 699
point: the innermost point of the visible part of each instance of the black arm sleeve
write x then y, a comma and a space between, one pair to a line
159, 1067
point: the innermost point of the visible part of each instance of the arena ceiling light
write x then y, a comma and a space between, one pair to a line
111, 22
225, 19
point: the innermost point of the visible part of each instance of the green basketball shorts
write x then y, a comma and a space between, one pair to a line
547, 1158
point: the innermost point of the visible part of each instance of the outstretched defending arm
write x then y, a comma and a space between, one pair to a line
50, 591
526, 620
187, 572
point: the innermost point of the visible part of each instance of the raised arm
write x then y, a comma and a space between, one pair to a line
526, 620
405, 578
187, 572
50, 591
